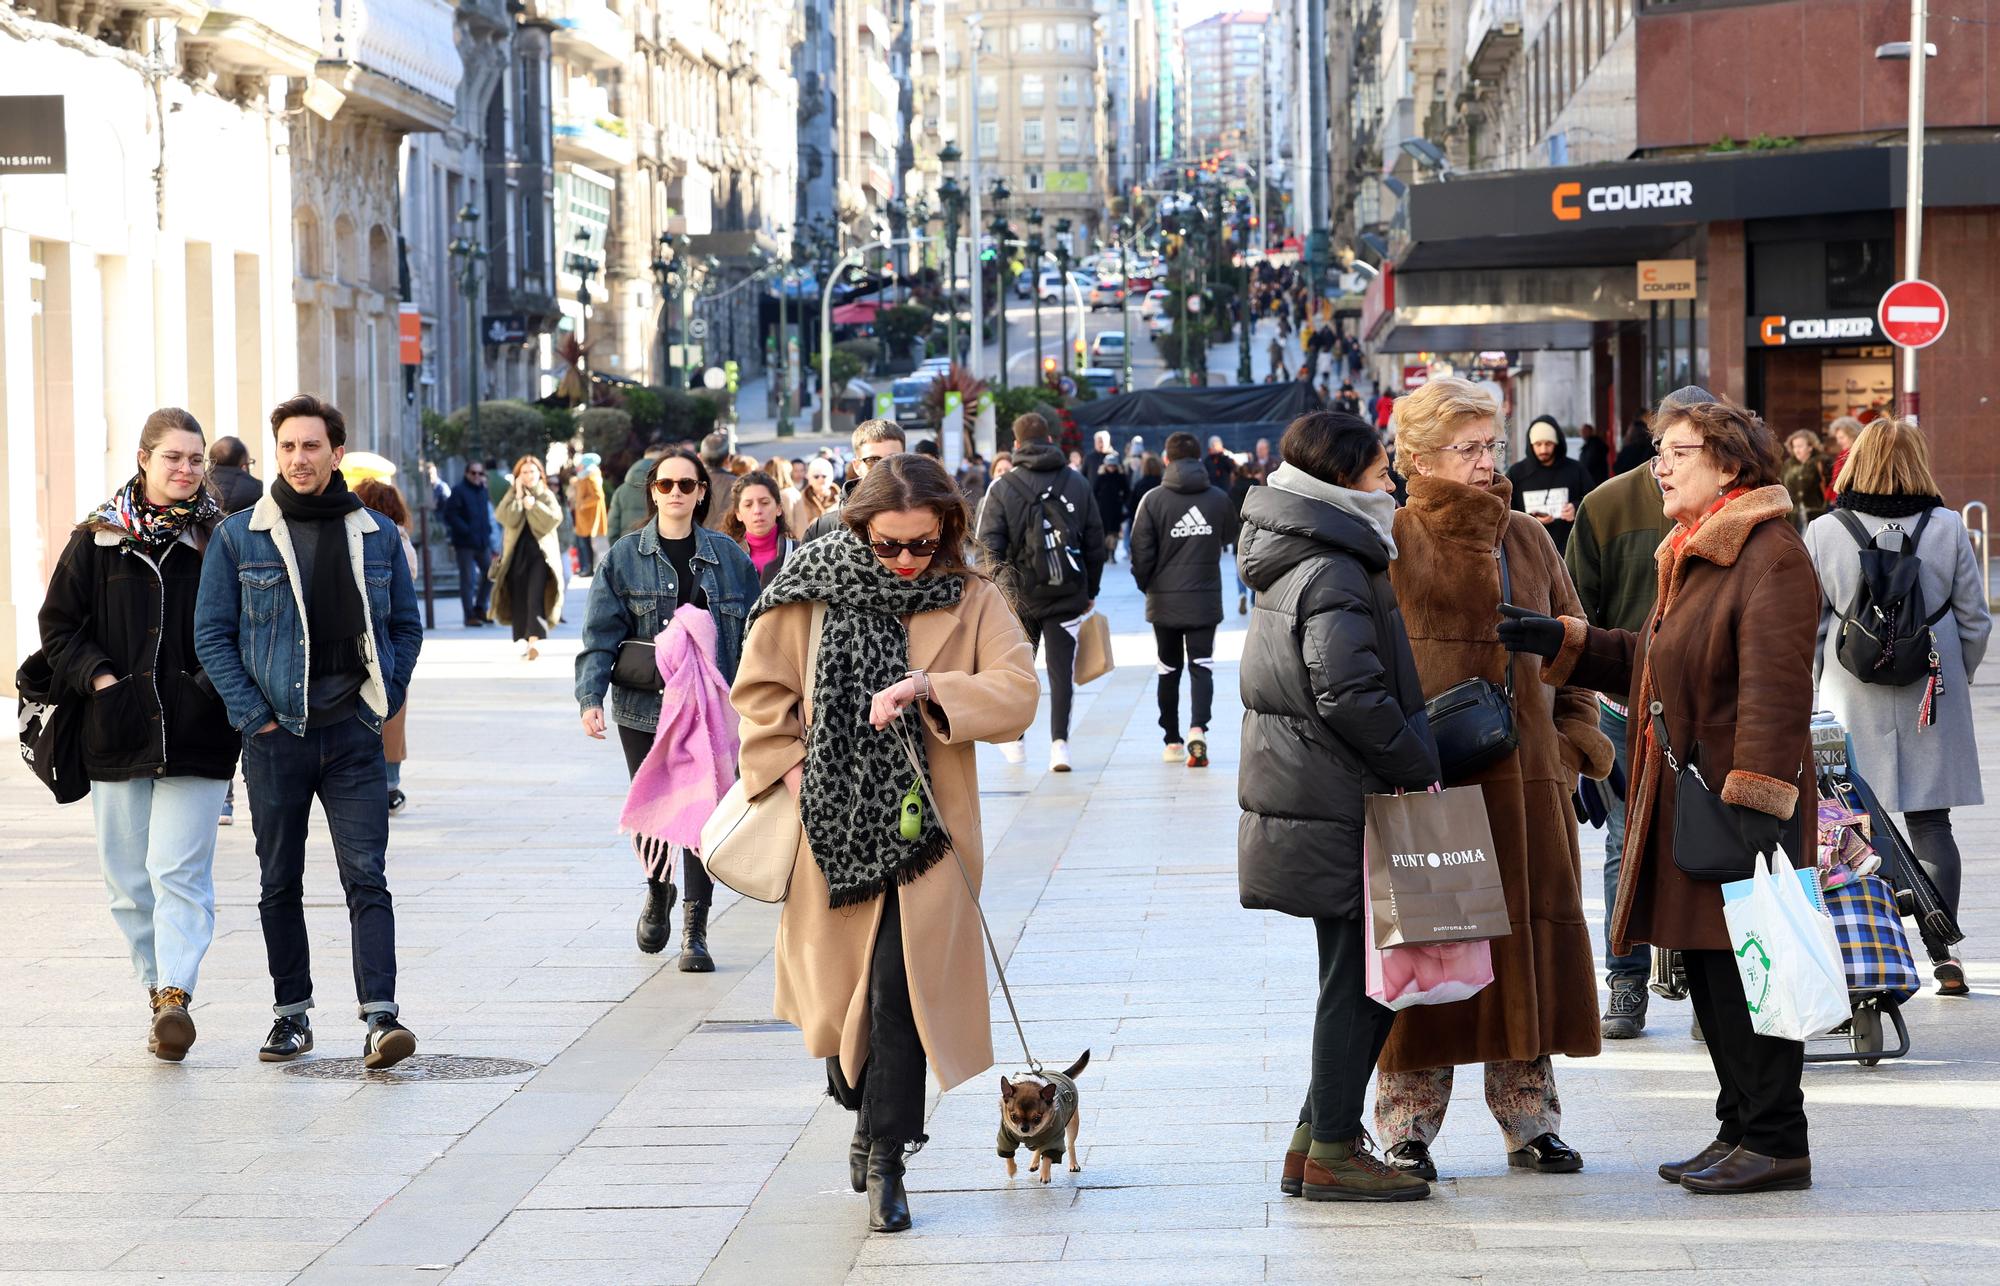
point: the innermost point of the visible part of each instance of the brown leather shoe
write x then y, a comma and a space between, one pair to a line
1746, 1171
1294, 1180
1672, 1171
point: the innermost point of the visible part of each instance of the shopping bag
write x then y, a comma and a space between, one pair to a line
1093, 648
1432, 870
1874, 950
1432, 974
1786, 953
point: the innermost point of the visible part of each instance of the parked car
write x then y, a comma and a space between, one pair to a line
1108, 292
908, 394
1108, 348
1159, 324
1155, 303
1050, 287
1102, 379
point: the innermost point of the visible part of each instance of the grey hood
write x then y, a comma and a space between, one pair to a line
1375, 508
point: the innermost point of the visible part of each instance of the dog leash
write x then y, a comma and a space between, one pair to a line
924, 781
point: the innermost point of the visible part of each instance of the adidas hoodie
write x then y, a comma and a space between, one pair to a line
1179, 536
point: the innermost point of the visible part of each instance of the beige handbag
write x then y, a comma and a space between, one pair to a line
751, 845
1093, 648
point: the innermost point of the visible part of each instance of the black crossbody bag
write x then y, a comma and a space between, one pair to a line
1707, 845
1473, 721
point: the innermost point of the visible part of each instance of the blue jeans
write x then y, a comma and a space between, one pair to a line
156, 842
1636, 964
475, 587
341, 766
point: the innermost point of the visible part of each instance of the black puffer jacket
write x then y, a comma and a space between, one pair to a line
1332, 709
1010, 522
108, 609
1178, 534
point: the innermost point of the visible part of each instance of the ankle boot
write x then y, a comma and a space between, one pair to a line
888, 1204
694, 940
653, 916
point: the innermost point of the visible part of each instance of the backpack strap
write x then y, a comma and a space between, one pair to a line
1855, 529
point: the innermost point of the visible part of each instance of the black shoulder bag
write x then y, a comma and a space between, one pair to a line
1707, 845
1473, 721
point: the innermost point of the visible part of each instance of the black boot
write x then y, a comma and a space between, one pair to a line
653, 916
694, 940
888, 1204
857, 1152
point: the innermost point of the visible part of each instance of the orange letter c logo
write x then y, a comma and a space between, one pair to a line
1562, 201
1772, 331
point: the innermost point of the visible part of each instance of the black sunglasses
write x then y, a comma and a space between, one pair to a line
686, 486
889, 549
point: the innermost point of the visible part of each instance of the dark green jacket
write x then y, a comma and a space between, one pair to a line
1610, 553
628, 502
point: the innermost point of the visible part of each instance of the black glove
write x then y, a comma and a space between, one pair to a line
1758, 831
1524, 631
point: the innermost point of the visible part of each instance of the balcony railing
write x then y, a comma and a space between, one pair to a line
1493, 37
589, 32
395, 59
598, 140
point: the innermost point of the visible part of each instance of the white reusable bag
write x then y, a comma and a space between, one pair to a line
1786, 952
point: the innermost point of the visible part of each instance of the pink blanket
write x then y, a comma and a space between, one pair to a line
693, 760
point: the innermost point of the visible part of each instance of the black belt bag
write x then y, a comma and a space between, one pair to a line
637, 667
1707, 845
1473, 722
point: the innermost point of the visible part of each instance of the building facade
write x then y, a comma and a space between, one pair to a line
1225, 67
1132, 91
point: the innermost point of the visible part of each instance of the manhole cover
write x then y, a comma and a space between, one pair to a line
423, 1067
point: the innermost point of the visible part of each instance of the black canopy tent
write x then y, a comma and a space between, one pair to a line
1239, 414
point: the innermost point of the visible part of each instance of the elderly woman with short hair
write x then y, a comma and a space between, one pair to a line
1724, 667
1460, 544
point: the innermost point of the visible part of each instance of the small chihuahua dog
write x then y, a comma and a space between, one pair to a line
1040, 1113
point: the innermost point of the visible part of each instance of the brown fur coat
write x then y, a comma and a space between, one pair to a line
1543, 999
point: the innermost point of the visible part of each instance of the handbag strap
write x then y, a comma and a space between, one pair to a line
1506, 596
903, 736
813, 634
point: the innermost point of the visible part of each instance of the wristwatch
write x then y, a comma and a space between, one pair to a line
923, 683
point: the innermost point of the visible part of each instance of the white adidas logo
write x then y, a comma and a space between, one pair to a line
1191, 524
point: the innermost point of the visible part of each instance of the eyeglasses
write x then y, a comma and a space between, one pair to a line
1671, 458
176, 460
686, 486
1473, 450
889, 549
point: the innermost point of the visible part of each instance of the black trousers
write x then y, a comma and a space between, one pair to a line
1761, 1105
1193, 650
891, 1093
1937, 852
1349, 1031
636, 745
1062, 669
527, 590
586, 555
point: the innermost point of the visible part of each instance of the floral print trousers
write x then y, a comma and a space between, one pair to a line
1521, 1096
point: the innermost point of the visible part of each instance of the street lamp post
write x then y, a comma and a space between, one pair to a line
1244, 375
471, 257
950, 195
585, 268
1187, 372
1062, 269
670, 270
1125, 302
1000, 232
852, 259
1035, 253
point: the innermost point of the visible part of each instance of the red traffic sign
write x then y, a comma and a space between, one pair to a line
1913, 314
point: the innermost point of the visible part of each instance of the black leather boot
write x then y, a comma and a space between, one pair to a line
888, 1204
694, 940
857, 1151
653, 916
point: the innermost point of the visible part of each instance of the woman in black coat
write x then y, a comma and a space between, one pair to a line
1111, 486
1333, 712
118, 634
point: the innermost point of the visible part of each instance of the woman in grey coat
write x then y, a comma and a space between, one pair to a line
1922, 770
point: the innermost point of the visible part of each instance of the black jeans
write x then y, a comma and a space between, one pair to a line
892, 1080
1761, 1105
527, 590
341, 766
1193, 650
475, 587
586, 555
1937, 852
636, 745
1349, 1031
1062, 669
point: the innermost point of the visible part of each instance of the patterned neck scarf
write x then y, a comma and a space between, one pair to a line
150, 527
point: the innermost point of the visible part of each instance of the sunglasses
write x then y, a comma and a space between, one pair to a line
887, 550
667, 486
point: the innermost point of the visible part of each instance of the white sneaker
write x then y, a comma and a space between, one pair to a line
1058, 756
1174, 753
1013, 752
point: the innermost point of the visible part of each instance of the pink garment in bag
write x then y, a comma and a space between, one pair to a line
1428, 974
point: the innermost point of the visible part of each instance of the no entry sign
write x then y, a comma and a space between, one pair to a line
1913, 314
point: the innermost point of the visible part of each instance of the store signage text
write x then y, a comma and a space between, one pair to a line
1569, 200
1666, 279
32, 135
1777, 329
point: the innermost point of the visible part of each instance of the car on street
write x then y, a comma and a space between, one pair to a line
908, 395
1108, 347
1159, 323
1107, 292
1102, 379
1050, 287
1155, 302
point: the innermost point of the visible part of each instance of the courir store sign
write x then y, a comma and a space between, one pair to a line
1776, 330
1572, 202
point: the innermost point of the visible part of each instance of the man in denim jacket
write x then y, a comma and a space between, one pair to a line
307, 624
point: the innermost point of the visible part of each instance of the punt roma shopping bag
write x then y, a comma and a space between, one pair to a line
1433, 871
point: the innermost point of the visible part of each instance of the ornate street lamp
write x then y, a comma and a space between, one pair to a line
670, 274
585, 267
1062, 295
1035, 253
471, 259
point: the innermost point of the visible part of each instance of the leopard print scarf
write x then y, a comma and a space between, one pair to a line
856, 777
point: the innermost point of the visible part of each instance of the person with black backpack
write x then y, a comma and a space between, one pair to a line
1044, 543
1903, 626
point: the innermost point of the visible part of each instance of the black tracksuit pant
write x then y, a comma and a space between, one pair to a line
1349, 1031
1062, 668
1761, 1105
1194, 651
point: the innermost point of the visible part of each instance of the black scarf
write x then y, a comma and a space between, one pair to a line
336, 621
1878, 505
856, 777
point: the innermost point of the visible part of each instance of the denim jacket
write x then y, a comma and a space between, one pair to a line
633, 596
249, 618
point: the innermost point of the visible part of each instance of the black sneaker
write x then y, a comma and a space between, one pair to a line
1625, 1015
388, 1043
1412, 1157
290, 1036
397, 799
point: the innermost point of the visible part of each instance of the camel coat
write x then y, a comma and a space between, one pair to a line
540, 519
586, 498
1728, 653
984, 688
1543, 999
